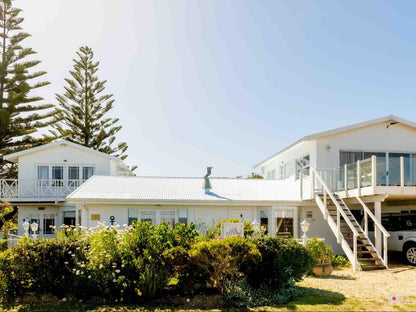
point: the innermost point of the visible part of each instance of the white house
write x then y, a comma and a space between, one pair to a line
47, 175
332, 179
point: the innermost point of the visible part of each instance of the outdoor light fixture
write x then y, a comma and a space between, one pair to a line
255, 225
305, 228
26, 226
34, 227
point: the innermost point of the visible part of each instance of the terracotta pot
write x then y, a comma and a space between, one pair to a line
322, 269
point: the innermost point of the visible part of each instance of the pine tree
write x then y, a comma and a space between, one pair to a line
21, 115
83, 108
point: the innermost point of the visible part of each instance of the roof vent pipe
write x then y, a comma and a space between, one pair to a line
207, 183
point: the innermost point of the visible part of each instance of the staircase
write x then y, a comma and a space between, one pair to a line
353, 239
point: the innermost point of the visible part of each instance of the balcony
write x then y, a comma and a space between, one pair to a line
393, 175
14, 190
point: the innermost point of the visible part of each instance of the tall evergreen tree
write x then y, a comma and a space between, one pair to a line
83, 108
21, 114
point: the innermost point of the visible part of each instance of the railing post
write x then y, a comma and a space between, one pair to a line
325, 205
345, 179
334, 180
385, 251
373, 171
359, 177
339, 227
401, 171
301, 184
365, 222
354, 265
312, 184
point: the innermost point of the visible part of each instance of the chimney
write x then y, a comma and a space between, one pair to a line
207, 183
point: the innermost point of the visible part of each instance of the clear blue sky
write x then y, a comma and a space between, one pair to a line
227, 83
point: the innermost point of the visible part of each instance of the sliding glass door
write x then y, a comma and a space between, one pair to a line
381, 166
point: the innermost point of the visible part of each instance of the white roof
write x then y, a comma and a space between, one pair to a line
116, 189
61, 142
340, 130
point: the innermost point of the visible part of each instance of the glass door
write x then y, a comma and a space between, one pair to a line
394, 168
381, 166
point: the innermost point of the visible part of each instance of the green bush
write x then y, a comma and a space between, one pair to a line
321, 252
40, 266
242, 295
283, 261
340, 261
222, 258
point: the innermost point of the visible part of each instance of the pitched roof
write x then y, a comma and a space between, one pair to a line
61, 142
322, 134
118, 189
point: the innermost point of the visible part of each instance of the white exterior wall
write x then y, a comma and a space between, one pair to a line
61, 155
289, 157
26, 211
376, 138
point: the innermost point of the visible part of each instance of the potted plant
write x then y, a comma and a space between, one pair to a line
322, 255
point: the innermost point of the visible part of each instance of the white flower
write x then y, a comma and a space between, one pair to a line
69, 252
66, 262
89, 276
117, 271
114, 281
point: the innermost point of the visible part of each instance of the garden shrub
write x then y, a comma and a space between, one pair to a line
40, 266
340, 261
222, 258
240, 295
284, 261
321, 252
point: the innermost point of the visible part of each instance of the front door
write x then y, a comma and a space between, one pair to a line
284, 222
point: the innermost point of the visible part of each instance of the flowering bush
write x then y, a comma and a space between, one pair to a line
222, 258
137, 263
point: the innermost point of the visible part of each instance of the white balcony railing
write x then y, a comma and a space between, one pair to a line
21, 190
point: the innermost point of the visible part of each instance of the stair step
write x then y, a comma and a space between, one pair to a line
347, 226
358, 238
350, 232
368, 259
366, 251
373, 267
360, 245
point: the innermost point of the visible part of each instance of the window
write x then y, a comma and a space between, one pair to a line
48, 223
87, 172
303, 164
284, 170
264, 221
133, 216
271, 175
346, 158
69, 218
43, 172
168, 217
148, 216
183, 216
73, 173
57, 175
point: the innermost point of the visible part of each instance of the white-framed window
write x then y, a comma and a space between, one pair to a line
73, 173
87, 172
303, 164
156, 217
183, 216
148, 216
284, 170
271, 175
48, 223
43, 173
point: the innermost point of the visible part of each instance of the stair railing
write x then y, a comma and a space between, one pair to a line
336, 228
377, 223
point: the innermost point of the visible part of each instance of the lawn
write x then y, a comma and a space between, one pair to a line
344, 290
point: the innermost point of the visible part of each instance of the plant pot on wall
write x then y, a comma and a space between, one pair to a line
324, 269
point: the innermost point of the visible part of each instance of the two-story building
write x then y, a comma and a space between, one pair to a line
47, 175
340, 181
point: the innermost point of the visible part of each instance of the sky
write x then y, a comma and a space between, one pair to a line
228, 83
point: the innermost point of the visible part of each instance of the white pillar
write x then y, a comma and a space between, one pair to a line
296, 223
377, 232
272, 221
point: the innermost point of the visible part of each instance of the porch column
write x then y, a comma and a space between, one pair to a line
377, 232
296, 223
272, 221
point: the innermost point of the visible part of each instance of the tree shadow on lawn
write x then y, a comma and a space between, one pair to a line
314, 296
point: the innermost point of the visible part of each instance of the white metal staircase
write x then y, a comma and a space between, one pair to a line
354, 241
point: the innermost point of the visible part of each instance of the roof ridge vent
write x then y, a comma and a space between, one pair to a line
207, 182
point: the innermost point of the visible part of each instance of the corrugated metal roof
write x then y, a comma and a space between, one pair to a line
185, 189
